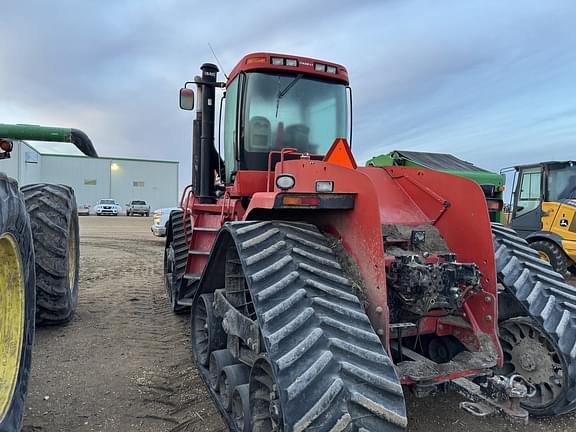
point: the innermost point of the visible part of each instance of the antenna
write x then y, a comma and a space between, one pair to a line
217, 61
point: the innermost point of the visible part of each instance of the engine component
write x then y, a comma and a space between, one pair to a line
423, 286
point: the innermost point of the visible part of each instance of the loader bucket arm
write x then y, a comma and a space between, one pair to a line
53, 134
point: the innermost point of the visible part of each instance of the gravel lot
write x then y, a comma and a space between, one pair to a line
123, 363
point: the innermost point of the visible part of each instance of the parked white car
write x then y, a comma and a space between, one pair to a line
84, 210
160, 219
107, 207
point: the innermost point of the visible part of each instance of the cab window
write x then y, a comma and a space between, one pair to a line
530, 190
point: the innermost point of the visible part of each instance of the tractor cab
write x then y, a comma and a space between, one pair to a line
274, 102
268, 111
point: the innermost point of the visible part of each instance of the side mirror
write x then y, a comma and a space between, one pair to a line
186, 99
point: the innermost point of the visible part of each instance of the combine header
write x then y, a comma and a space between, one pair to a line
321, 291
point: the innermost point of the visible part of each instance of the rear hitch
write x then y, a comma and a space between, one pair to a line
496, 394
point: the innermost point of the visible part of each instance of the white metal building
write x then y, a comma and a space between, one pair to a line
122, 179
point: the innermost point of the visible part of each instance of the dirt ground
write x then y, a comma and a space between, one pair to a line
123, 364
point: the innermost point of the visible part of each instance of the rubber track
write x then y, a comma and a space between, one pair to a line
331, 369
547, 298
179, 241
52, 208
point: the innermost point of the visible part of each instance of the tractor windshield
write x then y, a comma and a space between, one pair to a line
280, 111
293, 111
562, 183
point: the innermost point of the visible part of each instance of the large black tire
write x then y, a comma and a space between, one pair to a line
54, 221
552, 253
14, 223
322, 366
539, 313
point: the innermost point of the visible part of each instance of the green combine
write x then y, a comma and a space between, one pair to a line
491, 183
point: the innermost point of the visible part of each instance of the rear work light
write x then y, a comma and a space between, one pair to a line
300, 201
324, 186
281, 61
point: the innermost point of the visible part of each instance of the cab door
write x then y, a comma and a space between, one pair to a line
527, 214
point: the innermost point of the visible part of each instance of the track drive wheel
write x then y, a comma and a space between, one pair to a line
529, 351
17, 304
553, 254
54, 222
175, 259
539, 336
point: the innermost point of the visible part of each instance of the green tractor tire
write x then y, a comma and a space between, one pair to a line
17, 304
54, 220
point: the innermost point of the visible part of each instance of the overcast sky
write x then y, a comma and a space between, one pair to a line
493, 82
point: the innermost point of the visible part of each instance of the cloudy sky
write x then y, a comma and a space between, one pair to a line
493, 82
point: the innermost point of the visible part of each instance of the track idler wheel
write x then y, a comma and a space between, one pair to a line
265, 409
218, 361
207, 332
528, 351
241, 408
231, 377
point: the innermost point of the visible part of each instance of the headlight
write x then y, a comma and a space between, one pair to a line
285, 181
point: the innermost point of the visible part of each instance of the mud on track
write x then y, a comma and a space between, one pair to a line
123, 363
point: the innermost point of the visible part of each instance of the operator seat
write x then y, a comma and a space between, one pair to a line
259, 134
297, 136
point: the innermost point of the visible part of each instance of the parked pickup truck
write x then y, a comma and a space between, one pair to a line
137, 207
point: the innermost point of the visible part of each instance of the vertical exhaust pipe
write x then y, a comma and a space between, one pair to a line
207, 114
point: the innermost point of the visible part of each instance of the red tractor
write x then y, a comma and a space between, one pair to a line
320, 291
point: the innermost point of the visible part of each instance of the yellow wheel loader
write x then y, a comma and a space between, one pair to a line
544, 210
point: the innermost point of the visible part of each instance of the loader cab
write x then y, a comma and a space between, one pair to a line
528, 197
284, 103
539, 189
544, 211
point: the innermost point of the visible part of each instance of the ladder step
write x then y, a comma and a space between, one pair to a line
198, 252
185, 302
207, 229
402, 325
192, 276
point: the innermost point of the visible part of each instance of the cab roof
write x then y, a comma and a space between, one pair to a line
265, 61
